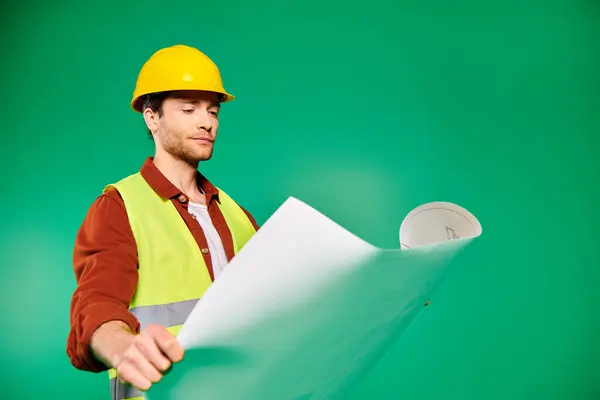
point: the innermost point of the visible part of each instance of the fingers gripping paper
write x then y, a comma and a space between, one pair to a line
304, 311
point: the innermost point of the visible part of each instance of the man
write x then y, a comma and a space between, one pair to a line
152, 243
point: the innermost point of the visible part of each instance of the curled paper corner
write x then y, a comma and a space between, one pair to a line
438, 222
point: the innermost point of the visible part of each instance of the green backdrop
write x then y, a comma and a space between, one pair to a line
364, 110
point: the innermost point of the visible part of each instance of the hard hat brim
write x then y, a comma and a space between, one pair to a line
138, 101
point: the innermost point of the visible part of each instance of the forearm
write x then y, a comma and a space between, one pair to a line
109, 342
91, 319
105, 266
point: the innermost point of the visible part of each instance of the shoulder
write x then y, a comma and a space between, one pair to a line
251, 218
110, 198
126, 182
225, 197
212, 190
107, 209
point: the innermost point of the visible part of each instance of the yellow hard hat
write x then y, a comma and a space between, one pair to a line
178, 67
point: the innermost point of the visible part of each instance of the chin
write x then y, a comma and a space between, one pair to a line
203, 157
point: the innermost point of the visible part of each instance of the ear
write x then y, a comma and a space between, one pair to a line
151, 119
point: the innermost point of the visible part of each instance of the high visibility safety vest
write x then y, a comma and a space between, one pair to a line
172, 272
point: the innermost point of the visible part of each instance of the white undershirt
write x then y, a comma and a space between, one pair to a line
215, 245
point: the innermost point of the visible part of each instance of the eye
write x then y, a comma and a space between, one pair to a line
188, 110
215, 113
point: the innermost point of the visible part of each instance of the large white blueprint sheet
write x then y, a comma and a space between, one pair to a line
304, 311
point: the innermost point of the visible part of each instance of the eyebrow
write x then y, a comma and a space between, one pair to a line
195, 102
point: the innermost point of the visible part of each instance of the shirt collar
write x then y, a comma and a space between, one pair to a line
166, 189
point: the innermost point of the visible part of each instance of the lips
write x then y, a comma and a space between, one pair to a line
203, 140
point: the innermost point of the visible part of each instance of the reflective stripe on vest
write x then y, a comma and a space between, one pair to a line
122, 391
164, 314
172, 274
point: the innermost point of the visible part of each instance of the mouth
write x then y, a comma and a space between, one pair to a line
203, 140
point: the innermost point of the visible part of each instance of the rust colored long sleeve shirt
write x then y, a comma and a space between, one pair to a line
106, 265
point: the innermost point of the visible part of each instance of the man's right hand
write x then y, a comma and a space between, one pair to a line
148, 356
141, 359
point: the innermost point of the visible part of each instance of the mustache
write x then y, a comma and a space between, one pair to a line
204, 135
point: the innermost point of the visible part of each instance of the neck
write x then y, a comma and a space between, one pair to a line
180, 173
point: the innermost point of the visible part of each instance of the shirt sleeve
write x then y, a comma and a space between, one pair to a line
105, 264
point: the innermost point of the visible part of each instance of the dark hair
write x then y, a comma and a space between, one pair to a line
154, 101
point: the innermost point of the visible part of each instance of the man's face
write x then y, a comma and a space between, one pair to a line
188, 127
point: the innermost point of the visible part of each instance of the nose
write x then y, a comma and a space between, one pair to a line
204, 121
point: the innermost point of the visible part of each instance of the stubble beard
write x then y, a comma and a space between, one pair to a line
175, 145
